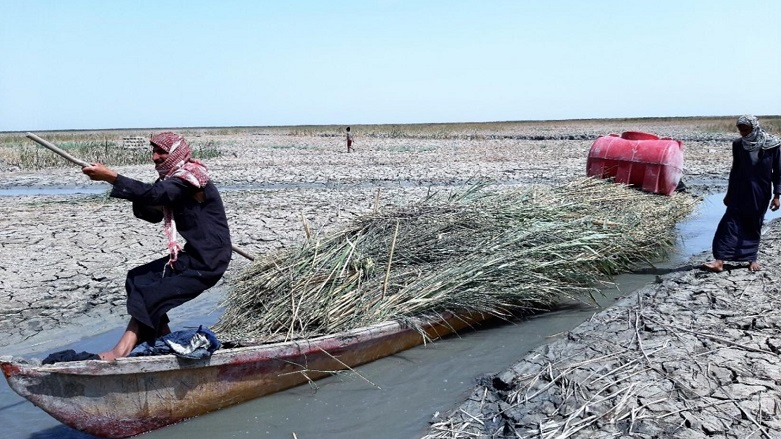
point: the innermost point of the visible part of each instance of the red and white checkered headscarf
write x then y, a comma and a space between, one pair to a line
179, 164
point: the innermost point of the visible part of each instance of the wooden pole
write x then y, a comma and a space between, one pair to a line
57, 150
84, 164
242, 252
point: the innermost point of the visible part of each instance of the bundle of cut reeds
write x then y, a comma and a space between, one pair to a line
500, 252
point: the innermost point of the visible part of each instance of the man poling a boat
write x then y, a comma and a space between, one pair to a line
186, 201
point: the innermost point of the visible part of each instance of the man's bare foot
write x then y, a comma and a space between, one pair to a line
716, 266
754, 266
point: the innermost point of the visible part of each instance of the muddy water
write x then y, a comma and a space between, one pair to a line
98, 188
406, 390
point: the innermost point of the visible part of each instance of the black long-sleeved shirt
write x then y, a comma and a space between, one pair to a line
198, 212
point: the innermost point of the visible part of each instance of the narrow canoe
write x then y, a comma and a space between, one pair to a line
134, 395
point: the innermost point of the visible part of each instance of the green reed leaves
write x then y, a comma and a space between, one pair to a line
500, 252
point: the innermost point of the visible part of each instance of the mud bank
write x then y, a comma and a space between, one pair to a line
694, 355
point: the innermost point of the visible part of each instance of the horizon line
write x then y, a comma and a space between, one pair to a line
648, 118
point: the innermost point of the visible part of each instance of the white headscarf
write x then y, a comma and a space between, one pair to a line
758, 138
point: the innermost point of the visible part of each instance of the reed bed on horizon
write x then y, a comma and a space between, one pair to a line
770, 124
479, 130
439, 130
503, 253
28, 156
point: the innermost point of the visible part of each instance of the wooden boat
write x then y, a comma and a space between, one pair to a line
134, 395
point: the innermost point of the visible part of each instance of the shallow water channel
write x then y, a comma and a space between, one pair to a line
407, 390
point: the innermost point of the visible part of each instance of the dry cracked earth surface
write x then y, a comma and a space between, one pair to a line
692, 356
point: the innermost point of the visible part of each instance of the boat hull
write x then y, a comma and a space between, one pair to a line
130, 396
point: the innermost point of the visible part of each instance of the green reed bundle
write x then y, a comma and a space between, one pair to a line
499, 252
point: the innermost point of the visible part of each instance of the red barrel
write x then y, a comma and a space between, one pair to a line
639, 159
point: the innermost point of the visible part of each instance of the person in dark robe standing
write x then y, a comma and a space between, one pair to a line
186, 201
754, 182
349, 140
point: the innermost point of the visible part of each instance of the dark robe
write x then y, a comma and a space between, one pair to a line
153, 289
753, 179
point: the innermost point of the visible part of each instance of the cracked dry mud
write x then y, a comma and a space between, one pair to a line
694, 355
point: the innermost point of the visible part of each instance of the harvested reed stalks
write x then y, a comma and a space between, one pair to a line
509, 252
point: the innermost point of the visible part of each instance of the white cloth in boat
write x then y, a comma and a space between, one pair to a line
194, 344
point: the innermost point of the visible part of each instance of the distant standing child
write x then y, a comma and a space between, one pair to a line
349, 141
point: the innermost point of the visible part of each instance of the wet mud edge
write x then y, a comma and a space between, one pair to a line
695, 354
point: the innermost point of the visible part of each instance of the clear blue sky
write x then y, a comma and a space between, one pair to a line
82, 64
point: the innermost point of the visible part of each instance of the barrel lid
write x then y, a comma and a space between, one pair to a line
638, 135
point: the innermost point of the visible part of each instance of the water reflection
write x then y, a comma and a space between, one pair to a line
26, 191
